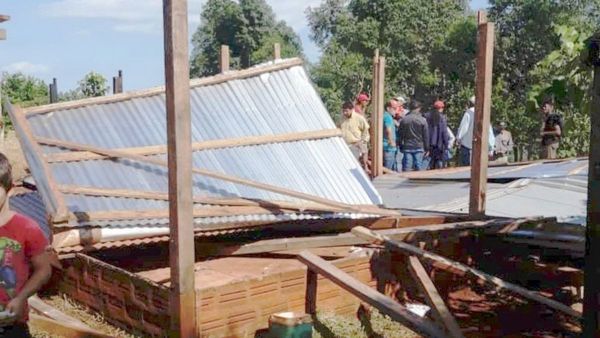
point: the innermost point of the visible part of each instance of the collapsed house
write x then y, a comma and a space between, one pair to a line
272, 177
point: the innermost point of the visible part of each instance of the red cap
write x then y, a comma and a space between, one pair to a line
438, 104
362, 97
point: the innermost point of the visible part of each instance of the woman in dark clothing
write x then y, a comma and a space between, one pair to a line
438, 135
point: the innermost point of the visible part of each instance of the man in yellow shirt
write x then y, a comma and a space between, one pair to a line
355, 131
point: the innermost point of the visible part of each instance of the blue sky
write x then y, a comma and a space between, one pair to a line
68, 38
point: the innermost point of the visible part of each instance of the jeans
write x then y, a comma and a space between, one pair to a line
412, 160
464, 158
389, 160
18, 330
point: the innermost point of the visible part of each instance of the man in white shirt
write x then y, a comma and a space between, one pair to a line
464, 135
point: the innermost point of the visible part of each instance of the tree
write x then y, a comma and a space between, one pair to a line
406, 32
23, 90
93, 84
249, 28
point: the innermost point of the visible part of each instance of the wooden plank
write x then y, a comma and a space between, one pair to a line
161, 196
434, 300
377, 169
310, 306
54, 200
483, 100
224, 177
381, 302
406, 248
206, 81
2, 34
4, 18
224, 59
204, 145
38, 305
277, 51
62, 329
450, 230
591, 301
182, 300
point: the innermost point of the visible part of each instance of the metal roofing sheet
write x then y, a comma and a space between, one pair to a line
30, 203
273, 103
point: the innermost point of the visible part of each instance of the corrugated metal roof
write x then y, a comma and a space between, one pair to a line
277, 102
556, 189
30, 203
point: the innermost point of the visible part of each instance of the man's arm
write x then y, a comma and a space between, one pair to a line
390, 135
41, 274
425, 135
462, 129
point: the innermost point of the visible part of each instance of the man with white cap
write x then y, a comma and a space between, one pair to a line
464, 135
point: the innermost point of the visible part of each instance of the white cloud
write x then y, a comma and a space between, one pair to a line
26, 67
293, 11
140, 16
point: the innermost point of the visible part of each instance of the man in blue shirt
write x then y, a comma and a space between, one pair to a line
389, 136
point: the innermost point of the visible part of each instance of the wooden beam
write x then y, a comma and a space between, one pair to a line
201, 146
62, 329
408, 249
54, 201
381, 302
377, 104
277, 51
310, 306
224, 59
4, 18
206, 81
591, 303
224, 177
409, 233
39, 306
182, 299
483, 100
2, 34
232, 202
434, 300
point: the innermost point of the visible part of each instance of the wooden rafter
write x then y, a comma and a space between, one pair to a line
224, 177
200, 146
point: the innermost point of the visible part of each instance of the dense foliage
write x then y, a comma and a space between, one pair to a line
248, 27
430, 51
23, 90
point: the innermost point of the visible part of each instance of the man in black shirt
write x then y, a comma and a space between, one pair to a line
551, 130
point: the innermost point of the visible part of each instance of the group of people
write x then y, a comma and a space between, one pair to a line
417, 140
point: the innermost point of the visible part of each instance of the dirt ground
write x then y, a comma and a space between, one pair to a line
12, 149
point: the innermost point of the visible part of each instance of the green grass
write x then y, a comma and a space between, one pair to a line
328, 326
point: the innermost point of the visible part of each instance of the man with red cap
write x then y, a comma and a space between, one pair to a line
439, 139
362, 101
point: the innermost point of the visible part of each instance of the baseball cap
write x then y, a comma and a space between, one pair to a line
362, 97
400, 98
438, 104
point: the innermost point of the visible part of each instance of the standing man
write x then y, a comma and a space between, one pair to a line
504, 144
464, 135
22, 249
414, 138
439, 140
400, 112
362, 101
389, 136
355, 131
551, 131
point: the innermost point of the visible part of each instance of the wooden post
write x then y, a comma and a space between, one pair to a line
591, 301
277, 51
181, 244
310, 306
53, 91
483, 100
377, 102
118, 83
2, 37
224, 59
